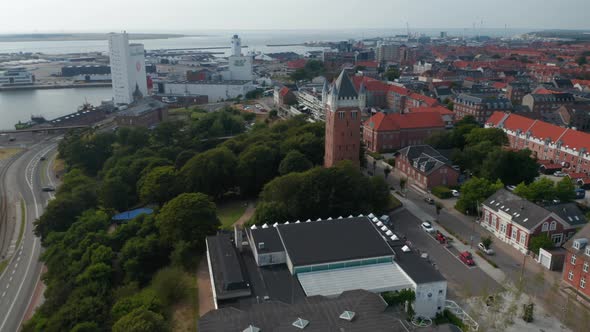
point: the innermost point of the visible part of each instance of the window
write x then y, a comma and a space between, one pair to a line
353, 115
545, 227
522, 238
573, 260
570, 276
583, 282
553, 226
341, 115
587, 251
514, 233
585, 267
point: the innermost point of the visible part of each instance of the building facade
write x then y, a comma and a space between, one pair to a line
564, 146
481, 107
576, 116
16, 76
540, 104
425, 167
388, 132
576, 267
343, 123
240, 66
514, 220
128, 71
146, 112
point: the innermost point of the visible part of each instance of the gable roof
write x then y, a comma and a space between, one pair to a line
429, 109
397, 121
523, 212
569, 212
424, 158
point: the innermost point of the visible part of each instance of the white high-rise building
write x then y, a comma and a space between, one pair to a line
240, 66
127, 69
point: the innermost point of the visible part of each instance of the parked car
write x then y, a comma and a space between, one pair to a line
429, 200
427, 227
466, 258
42, 158
455, 193
487, 251
580, 193
511, 188
385, 219
559, 174
47, 189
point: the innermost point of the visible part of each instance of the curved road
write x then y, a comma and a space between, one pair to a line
18, 281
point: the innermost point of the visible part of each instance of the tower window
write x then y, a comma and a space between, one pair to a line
341, 115
353, 115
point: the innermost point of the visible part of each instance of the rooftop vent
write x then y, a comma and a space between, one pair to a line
406, 248
525, 219
275, 224
308, 220
351, 216
347, 315
361, 215
384, 228
253, 227
329, 218
371, 215
261, 245
340, 217
375, 220
300, 323
286, 223
394, 237
251, 328
379, 224
298, 222
265, 226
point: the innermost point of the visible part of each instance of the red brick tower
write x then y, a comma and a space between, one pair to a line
343, 121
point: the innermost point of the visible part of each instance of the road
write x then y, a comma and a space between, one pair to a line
17, 282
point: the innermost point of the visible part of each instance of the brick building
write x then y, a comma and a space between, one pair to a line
576, 270
481, 107
576, 115
386, 132
372, 92
514, 220
400, 98
343, 122
146, 112
425, 167
564, 146
515, 91
545, 102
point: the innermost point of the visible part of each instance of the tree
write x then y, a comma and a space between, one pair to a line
171, 286
511, 167
114, 193
141, 320
188, 217
474, 192
159, 185
294, 161
256, 166
387, 171
86, 327
565, 190
211, 172
540, 242
392, 74
273, 114
495, 136
581, 61
538, 191
487, 241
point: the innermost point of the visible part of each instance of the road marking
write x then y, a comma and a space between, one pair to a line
18, 258
13, 271
3, 294
9, 280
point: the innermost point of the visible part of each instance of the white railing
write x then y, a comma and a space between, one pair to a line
469, 322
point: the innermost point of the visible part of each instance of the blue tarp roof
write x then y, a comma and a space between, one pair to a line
128, 215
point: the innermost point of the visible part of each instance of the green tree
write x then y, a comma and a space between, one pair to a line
147, 299
211, 172
115, 193
171, 286
487, 241
86, 327
565, 190
141, 320
392, 74
474, 192
581, 61
540, 242
538, 191
294, 161
511, 167
256, 166
159, 185
495, 136
188, 217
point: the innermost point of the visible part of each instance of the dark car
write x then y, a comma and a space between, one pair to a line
42, 158
47, 189
466, 258
429, 200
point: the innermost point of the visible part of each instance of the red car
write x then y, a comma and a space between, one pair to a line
466, 258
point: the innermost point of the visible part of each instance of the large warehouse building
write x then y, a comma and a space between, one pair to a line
329, 257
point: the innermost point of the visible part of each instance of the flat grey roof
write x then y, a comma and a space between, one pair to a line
318, 242
270, 237
417, 268
225, 264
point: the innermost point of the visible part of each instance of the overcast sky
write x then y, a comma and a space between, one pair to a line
27, 16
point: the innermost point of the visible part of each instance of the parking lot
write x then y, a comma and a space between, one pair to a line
463, 280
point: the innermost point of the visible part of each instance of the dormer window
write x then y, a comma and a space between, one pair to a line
545, 227
587, 252
553, 226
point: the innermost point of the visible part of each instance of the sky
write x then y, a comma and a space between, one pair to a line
38, 16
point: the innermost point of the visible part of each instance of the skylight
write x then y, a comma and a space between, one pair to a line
525, 219
300, 323
405, 248
251, 328
348, 315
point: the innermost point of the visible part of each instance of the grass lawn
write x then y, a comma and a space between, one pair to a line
3, 265
7, 153
230, 212
186, 314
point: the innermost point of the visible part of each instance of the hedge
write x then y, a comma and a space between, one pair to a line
441, 192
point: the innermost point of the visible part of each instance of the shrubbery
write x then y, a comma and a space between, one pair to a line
441, 192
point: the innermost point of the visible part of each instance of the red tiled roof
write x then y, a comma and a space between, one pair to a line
371, 84
542, 130
284, 91
543, 91
368, 64
500, 85
399, 90
429, 109
425, 99
575, 176
296, 64
396, 121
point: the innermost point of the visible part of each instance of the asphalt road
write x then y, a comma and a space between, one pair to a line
18, 281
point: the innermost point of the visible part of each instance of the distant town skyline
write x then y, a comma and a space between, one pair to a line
189, 15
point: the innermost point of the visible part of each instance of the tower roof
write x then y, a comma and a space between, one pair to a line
344, 88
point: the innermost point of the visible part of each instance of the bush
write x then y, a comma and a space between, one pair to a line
441, 192
391, 162
171, 286
375, 155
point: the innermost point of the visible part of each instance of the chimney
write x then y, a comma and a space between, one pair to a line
238, 237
